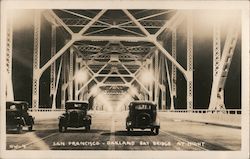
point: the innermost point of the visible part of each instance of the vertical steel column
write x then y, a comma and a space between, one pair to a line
80, 95
151, 84
173, 71
77, 66
36, 61
189, 73
9, 84
216, 48
53, 66
63, 88
71, 73
85, 92
163, 87
56, 86
169, 87
63, 94
217, 92
156, 77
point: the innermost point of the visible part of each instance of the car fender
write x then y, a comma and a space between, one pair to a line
61, 119
156, 122
89, 117
31, 119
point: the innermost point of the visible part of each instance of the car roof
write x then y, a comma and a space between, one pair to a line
17, 102
143, 102
77, 101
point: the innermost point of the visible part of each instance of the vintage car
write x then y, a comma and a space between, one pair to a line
75, 116
17, 116
142, 115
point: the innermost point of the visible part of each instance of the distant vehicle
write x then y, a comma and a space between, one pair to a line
17, 116
75, 116
142, 115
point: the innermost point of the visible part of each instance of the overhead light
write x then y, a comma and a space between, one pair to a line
147, 77
81, 76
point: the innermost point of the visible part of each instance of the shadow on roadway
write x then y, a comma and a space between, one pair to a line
16, 132
131, 133
83, 131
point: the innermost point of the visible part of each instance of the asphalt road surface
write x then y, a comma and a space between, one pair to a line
108, 133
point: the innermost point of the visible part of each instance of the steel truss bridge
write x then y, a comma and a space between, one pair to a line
107, 54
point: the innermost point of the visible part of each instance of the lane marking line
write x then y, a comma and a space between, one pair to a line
112, 136
39, 139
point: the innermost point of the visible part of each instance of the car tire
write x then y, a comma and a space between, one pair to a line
156, 131
128, 130
60, 128
152, 130
30, 127
87, 128
19, 129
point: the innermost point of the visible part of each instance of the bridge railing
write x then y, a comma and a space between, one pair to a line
227, 111
46, 110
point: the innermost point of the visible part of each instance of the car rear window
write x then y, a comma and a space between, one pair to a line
76, 106
143, 107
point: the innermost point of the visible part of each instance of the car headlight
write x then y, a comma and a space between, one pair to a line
129, 123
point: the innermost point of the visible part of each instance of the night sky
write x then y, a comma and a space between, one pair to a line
203, 64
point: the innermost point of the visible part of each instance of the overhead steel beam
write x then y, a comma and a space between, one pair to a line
167, 54
152, 38
98, 31
80, 22
147, 17
111, 38
129, 31
81, 89
51, 19
136, 22
70, 42
136, 79
83, 16
60, 21
172, 23
92, 21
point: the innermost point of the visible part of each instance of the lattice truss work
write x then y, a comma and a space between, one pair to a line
112, 48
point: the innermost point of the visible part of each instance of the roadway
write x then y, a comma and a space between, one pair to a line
108, 133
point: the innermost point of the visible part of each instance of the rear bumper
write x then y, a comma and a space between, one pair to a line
11, 127
142, 126
78, 124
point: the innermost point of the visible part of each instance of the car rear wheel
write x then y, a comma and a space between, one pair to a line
19, 128
152, 130
156, 131
87, 128
30, 127
129, 131
60, 128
